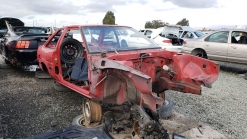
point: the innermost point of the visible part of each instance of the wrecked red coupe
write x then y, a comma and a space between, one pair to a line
117, 64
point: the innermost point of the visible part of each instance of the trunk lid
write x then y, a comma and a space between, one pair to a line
171, 31
12, 21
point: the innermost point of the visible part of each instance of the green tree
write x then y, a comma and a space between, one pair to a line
109, 18
148, 24
183, 22
155, 24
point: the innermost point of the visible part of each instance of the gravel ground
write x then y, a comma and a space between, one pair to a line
223, 107
31, 106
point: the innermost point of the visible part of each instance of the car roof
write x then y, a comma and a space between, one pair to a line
234, 29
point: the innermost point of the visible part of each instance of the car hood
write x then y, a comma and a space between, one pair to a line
12, 21
170, 29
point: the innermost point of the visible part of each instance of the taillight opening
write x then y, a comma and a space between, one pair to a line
23, 44
167, 41
185, 42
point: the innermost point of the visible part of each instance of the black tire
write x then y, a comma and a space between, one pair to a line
42, 75
106, 125
200, 53
60, 88
245, 76
167, 110
70, 50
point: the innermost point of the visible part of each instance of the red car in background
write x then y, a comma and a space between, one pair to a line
107, 67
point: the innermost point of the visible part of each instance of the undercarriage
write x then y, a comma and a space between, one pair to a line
145, 124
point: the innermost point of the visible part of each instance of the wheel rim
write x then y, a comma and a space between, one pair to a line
70, 52
92, 112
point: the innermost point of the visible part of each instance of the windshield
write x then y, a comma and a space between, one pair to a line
199, 34
29, 30
109, 38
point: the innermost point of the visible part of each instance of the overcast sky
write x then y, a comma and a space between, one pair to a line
200, 13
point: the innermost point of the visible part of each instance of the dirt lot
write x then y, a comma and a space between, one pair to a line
31, 106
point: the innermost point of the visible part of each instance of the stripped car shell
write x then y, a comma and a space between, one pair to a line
127, 73
134, 74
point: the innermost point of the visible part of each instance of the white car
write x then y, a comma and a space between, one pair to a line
131, 39
168, 38
147, 31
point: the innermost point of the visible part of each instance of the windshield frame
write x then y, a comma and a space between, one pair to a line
154, 46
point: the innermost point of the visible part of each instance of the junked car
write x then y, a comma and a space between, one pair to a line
168, 38
135, 75
3, 27
228, 45
20, 43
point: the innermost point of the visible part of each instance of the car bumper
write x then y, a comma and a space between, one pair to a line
26, 56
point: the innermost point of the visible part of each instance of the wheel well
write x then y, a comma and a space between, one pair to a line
43, 67
198, 50
7, 53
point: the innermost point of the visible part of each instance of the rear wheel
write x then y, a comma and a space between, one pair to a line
200, 53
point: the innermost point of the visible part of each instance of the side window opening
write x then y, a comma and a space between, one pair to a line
184, 34
220, 37
239, 37
53, 41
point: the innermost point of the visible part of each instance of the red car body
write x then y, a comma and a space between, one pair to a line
135, 75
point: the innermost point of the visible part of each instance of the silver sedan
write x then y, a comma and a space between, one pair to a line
223, 45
